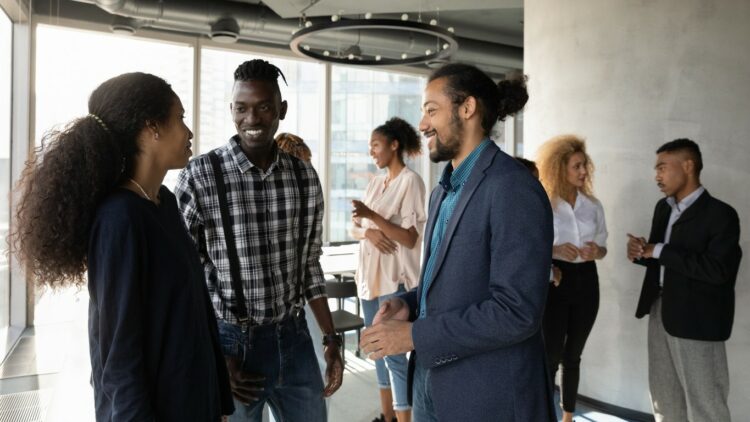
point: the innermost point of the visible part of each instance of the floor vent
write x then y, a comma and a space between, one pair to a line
29, 406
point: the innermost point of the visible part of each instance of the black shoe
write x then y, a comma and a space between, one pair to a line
380, 418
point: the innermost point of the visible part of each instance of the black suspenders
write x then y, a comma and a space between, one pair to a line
240, 310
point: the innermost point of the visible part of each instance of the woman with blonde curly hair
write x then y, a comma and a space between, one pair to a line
565, 170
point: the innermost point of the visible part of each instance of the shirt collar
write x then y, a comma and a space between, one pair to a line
686, 201
451, 179
244, 164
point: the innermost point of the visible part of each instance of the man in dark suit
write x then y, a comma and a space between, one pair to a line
474, 322
692, 257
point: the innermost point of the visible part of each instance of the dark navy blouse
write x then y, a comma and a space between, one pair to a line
153, 338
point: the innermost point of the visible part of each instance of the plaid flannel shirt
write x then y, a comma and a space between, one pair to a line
264, 211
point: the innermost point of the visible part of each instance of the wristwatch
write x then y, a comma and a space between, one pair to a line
336, 339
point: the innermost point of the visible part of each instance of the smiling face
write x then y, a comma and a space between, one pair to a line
440, 124
174, 138
382, 150
256, 110
576, 172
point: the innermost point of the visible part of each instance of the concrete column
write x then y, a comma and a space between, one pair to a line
629, 76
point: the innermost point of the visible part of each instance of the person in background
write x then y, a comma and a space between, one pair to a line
555, 274
294, 145
692, 257
255, 214
580, 239
92, 201
389, 222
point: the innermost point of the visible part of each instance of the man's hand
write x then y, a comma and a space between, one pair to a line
360, 210
590, 252
334, 370
636, 246
246, 387
393, 308
385, 245
566, 251
389, 337
556, 276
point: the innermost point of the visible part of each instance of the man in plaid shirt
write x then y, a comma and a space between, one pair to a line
266, 342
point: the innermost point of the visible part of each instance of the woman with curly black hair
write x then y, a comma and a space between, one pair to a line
389, 224
92, 201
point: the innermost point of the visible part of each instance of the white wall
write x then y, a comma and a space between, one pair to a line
629, 76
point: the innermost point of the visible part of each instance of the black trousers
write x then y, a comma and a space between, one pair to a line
568, 318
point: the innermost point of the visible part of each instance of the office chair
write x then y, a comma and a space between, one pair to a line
343, 320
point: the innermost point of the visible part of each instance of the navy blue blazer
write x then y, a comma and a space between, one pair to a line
482, 337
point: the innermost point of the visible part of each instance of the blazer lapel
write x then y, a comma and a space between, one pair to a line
474, 180
435, 200
694, 209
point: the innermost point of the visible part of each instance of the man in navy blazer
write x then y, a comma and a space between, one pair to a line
474, 322
692, 257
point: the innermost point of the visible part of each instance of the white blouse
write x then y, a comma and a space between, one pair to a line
401, 203
579, 224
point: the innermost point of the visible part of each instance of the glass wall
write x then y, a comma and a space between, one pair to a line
6, 60
360, 101
66, 76
305, 96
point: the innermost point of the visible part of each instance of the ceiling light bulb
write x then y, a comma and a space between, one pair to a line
308, 24
404, 17
446, 46
307, 48
351, 56
377, 58
326, 53
368, 15
451, 30
334, 18
404, 56
427, 52
433, 22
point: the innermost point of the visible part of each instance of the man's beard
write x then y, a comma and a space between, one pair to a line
447, 150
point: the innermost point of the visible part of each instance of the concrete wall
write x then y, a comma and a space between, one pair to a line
629, 76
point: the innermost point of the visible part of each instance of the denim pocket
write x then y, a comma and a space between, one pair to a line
232, 339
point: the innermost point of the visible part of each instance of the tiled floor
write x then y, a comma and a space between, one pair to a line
51, 378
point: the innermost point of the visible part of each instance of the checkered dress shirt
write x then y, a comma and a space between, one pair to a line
264, 211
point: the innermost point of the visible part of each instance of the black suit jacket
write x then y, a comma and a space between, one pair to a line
700, 263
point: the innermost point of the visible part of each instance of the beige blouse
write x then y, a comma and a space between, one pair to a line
401, 203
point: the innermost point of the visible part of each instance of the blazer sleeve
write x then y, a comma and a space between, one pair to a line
520, 225
718, 262
653, 237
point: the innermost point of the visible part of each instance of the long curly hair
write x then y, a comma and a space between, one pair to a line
75, 167
552, 159
398, 129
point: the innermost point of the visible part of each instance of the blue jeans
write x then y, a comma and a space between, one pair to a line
392, 370
424, 410
284, 354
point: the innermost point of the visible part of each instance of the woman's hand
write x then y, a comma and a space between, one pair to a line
556, 276
360, 210
592, 251
566, 251
380, 241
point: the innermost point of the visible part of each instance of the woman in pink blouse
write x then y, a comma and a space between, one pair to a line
389, 224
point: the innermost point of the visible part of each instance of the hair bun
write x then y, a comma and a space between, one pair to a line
513, 95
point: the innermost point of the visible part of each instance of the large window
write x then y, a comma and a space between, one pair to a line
362, 100
66, 76
6, 43
305, 96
